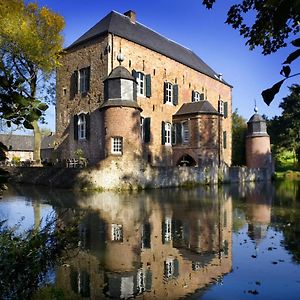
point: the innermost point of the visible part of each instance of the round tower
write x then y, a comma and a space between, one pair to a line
121, 116
258, 149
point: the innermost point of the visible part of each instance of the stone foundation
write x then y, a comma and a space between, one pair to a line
120, 177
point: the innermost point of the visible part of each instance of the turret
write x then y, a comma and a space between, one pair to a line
121, 115
258, 150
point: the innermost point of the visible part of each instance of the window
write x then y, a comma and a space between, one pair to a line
117, 145
167, 230
142, 128
84, 80
117, 232
143, 83
140, 84
185, 132
196, 96
171, 268
81, 127
170, 93
166, 133
221, 107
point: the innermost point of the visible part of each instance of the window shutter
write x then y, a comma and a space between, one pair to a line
146, 236
224, 139
148, 85
225, 109
175, 94
148, 279
193, 96
163, 133
134, 74
75, 124
87, 126
174, 134
176, 268
146, 129
163, 229
178, 133
74, 281
74, 84
165, 92
88, 78
202, 96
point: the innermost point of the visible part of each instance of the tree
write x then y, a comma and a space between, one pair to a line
275, 21
30, 43
239, 130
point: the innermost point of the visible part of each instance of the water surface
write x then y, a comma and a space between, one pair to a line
231, 242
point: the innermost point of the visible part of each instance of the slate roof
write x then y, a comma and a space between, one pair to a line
201, 107
121, 26
256, 118
16, 142
120, 72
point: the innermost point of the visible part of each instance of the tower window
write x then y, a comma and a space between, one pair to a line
117, 145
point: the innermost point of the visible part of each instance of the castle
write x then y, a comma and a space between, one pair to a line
124, 92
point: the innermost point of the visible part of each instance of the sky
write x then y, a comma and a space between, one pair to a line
203, 31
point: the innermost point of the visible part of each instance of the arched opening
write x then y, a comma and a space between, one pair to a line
186, 160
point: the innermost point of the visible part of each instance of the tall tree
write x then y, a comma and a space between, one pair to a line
239, 130
30, 43
274, 22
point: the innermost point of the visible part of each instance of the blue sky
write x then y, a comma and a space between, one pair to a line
203, 31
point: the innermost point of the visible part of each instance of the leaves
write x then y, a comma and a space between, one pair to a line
286, 70
269, 94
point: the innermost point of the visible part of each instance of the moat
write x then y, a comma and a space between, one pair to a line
228, 242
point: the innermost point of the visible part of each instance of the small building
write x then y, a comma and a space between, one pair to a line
20, 147
127, 93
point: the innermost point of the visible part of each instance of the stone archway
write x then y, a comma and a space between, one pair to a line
186, 160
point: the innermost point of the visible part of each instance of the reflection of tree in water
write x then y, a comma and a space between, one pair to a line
286, 215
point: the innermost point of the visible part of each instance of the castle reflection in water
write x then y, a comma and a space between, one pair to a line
148, 244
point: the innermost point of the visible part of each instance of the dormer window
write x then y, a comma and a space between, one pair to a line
196, 96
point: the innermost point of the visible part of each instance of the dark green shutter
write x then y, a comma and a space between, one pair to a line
148, 85
165, 91
87, 126
224, 139
146, 128
176, 268
175, 94
88, 78
74, 84
202, 96
75, 124
193, 96
74, 280
173, 134
225, 109
134, 74
178, 133
148, 280
163, 132
146, 236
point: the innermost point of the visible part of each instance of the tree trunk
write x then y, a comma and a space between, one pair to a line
37, 144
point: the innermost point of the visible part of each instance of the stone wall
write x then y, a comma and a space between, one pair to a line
119, 176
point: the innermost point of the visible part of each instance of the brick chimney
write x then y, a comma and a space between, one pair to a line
131, 15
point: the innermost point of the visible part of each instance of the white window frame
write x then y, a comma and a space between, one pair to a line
117, 145
117, 232
169, 93
168, 134
221, 107
169, 263
196, 96
83, 80
81, 127
141, 84
185, 132
168, 229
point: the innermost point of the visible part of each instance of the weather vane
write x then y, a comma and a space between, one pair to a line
255, 107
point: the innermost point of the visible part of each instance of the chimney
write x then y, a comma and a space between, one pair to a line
131, 15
